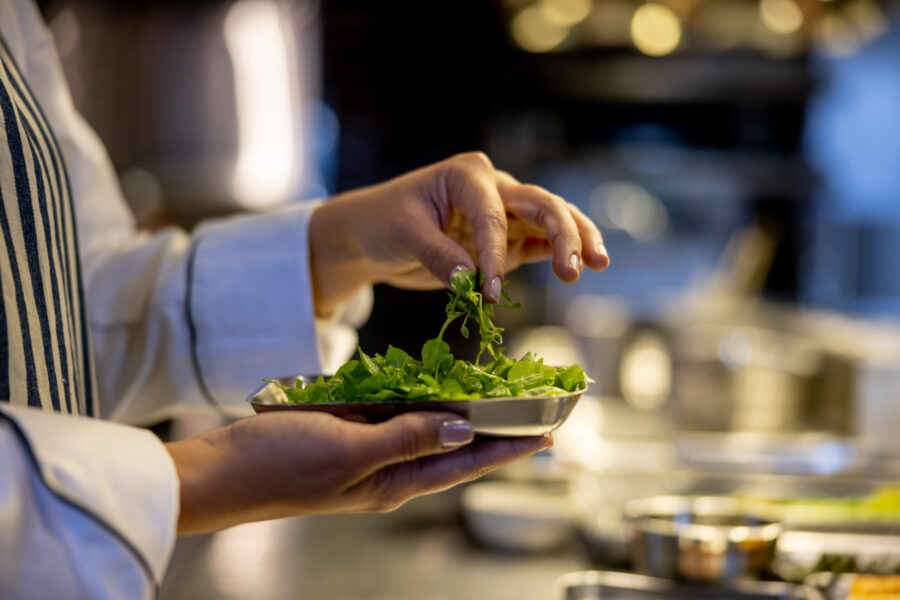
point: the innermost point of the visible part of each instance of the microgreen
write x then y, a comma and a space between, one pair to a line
438, 375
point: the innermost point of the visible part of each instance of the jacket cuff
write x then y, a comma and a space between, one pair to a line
119, 479
250, 305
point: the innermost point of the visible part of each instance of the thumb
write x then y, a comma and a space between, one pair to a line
411, 436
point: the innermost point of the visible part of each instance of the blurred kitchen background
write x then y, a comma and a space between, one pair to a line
741, 156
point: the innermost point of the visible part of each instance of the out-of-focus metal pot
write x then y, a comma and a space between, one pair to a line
707, 538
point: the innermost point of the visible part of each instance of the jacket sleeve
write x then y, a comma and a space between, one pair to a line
180, 321
88, 508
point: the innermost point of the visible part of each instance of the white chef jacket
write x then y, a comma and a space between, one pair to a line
88, 508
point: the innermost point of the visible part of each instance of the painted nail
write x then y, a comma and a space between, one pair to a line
575, 262
493, 289
455, 433
457, 269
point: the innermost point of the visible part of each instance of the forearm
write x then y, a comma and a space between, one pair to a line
339, 265
205, 501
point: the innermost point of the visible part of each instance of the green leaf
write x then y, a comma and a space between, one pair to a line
367, 362
571, 378
434, 387
373, 384
463, 281
531, 374
396, 357
435, 353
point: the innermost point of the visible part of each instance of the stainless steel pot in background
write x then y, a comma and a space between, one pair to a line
215, 106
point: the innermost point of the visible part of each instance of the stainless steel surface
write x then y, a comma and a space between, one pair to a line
612, 585
417, 552
534, 415
706, 538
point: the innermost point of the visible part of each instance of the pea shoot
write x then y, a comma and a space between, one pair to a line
437, 374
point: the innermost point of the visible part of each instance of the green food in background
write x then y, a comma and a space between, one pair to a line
438, 375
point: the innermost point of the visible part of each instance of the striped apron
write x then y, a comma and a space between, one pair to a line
45, 358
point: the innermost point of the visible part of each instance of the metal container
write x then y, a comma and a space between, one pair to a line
612, 585
706, 538
531, 415
519, 517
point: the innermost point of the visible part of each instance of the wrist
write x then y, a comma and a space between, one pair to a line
203, 487
339, 264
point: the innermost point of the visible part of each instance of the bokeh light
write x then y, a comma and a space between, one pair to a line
645, 373
257, 42
629, 207
781, 16
534, 33
564, 13
655, 29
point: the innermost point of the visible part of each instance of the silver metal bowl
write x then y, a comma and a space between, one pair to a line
704, 538
607, 585
531, 415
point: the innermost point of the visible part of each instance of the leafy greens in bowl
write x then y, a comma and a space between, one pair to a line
438, 375
505, 397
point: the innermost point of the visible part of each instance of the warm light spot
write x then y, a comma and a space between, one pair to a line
532, 32
655, 30
258, 42
781, 16
631, 208
564, 13
645, 374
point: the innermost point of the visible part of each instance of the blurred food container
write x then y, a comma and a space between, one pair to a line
519, 517
611, 585
708, 538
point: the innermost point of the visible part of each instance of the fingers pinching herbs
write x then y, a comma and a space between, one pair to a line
435, 251
472, 189
550, 216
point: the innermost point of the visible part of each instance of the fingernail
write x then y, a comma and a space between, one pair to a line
493, 289
455, 433
601, 249
457, 269
575, 262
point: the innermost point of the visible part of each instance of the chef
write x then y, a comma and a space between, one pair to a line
103, 327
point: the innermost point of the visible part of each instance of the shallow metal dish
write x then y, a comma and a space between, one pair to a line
534, 415
613, 585
704, 538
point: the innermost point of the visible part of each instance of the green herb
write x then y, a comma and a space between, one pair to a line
438, 375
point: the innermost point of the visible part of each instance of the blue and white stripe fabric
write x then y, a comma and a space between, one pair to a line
44, 342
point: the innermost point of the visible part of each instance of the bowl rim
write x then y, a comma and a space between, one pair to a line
656, 514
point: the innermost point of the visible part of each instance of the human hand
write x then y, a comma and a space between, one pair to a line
414, 230
288, 464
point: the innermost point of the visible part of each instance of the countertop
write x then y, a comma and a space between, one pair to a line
418, 552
